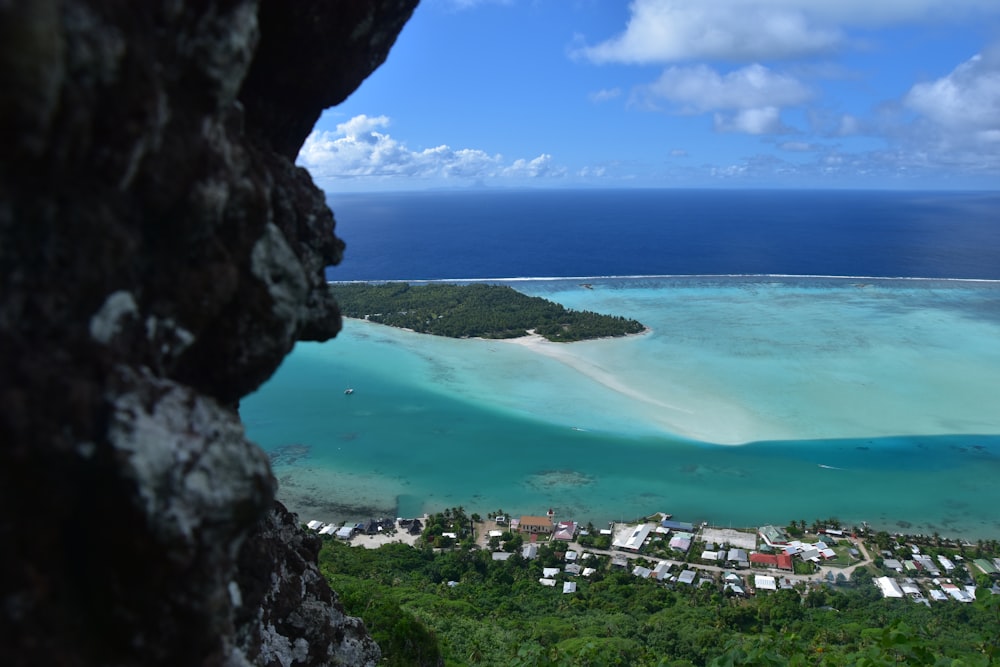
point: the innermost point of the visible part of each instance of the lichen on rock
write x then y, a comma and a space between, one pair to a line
160, 253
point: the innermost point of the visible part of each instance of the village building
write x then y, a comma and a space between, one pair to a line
764, 583
565, 530
782, 561
764, 560
686, 577
926, 564
632, 538
946, 564
892, 564
683, 526
738, 557
889, 587
986, 566
957, 593
773, 536
680, 543
809, 553
535, 524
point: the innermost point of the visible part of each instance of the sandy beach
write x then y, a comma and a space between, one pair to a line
708, 420
563, 353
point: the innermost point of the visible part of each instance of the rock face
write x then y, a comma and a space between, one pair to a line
288, 613
159, 255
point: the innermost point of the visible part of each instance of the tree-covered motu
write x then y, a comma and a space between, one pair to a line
427, 606
474, 310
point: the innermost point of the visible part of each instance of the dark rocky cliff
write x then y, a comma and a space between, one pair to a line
159, 255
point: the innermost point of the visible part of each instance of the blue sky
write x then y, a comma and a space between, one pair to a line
675, 93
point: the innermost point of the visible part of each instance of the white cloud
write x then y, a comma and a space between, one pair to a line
958, 118
849, 125
538, 167
798, 146
592, 172
469, 4
677, 30
358, 150
764, 120
967, 100
678, 152
745, 100
605, 95
701, 88
662, 31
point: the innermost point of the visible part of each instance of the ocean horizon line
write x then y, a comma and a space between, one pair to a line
666, 276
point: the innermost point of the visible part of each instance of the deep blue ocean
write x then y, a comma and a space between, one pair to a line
573, 233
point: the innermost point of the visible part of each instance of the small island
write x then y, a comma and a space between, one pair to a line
475, 310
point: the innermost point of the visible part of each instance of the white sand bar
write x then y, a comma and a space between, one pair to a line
669, 407
738, 364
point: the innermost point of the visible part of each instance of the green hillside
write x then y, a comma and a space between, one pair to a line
459, 606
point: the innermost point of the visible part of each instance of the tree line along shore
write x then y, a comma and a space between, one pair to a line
475, 310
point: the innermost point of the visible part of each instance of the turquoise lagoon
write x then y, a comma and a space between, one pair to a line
751, 400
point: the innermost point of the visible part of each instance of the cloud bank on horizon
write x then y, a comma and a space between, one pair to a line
664, 93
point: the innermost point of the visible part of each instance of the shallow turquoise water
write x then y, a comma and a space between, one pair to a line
867, 400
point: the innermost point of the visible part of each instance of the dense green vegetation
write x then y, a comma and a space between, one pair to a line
460, 607
486, 311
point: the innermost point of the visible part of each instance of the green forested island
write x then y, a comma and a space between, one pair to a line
474, 310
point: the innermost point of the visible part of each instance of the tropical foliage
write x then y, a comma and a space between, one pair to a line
458, 606
478, 309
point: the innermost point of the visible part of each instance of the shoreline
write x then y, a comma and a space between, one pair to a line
672, 423
667, 276
586, 428
399, 536
540, 345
